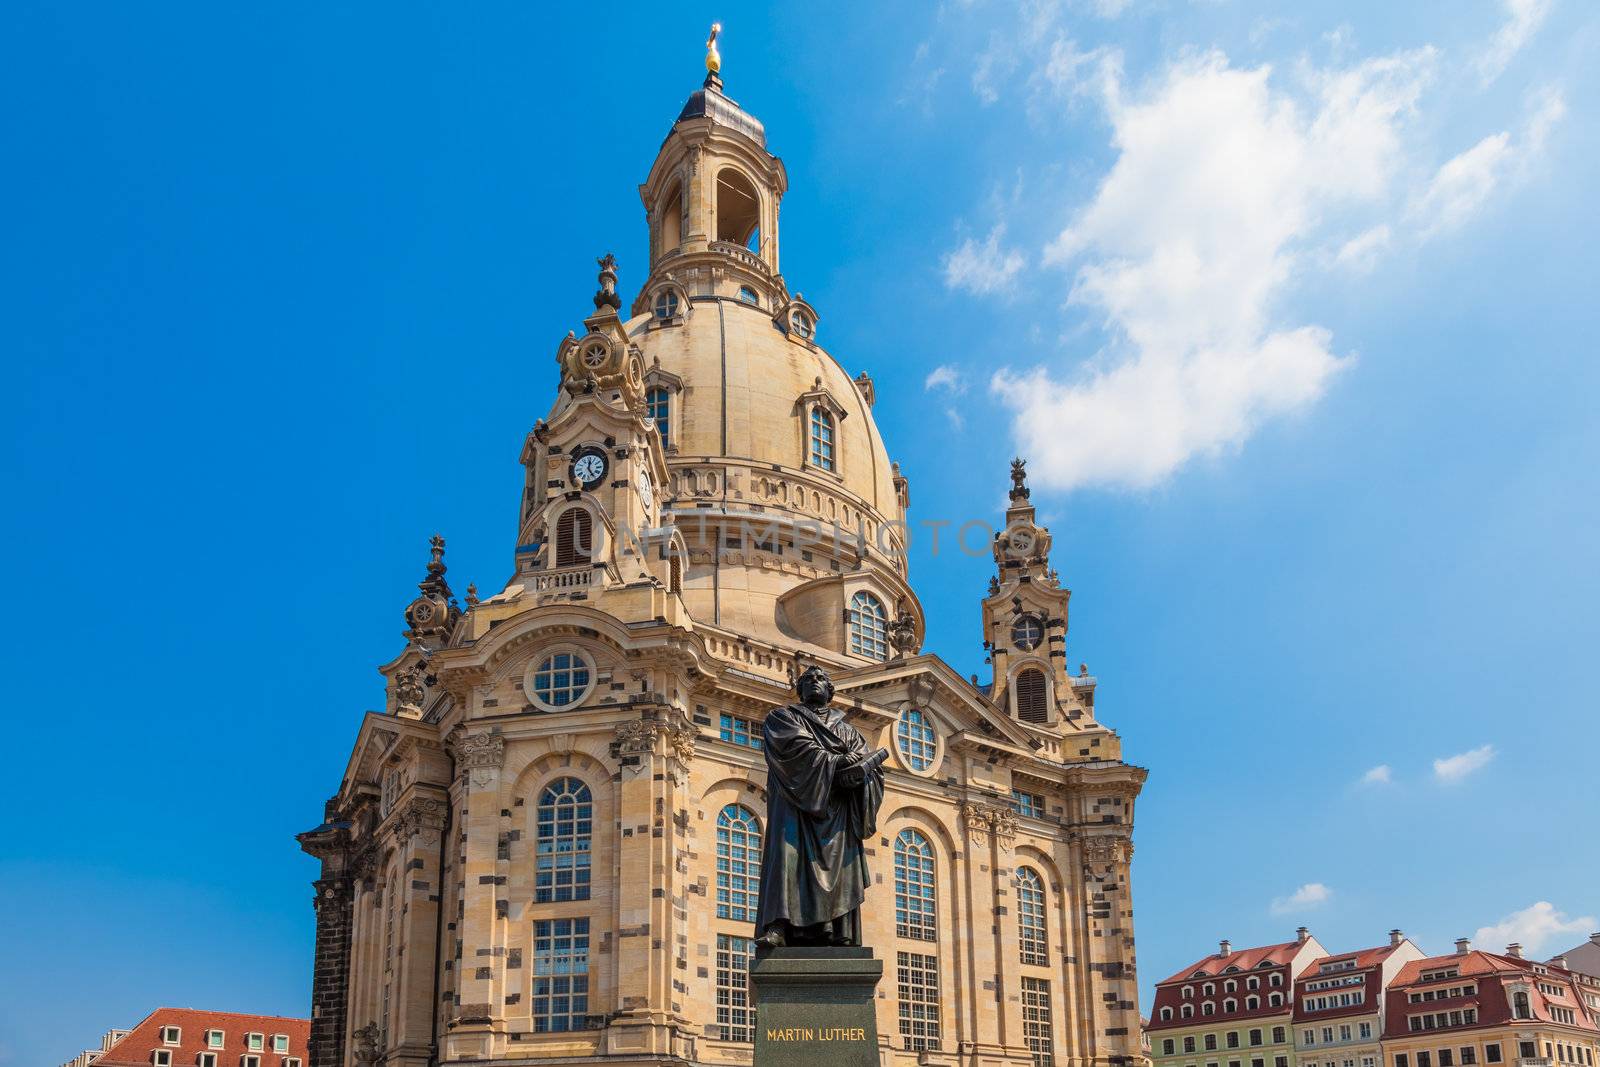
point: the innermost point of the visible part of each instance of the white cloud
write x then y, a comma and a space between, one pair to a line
1361, 252
1186, 248
945, 377
982, 267
956, 421
1454, 768
1533, 928
1464, 184
1379, 775
1523, 19
1311, 895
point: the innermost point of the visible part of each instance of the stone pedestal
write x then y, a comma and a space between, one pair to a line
816, 1006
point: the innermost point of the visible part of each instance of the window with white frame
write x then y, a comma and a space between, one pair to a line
215, 1038
739, 731
869, 626
916, 739
915, 897
161, 1057
560, 1000
565, 821
1031, 923
248, 1060
738, 863
1037, 1030
821, 434
735, 1017
280, 1043
254, 1042
206, 1059
171, 1035
917, 987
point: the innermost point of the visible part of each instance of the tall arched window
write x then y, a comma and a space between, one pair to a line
738, 210
1031, 925
659, 402
914, 895
1032, 699
672, 220
738, 863
869, 626
822, 452
916, 739
574, 537
1520, 1007
566, 822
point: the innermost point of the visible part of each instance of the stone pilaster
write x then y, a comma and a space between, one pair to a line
477, 1023
330, 843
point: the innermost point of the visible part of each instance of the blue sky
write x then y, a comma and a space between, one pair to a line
1291, 307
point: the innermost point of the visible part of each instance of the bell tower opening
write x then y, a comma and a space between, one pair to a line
738, 210
671, 232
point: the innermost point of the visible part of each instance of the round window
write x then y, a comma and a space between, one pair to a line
1027, 632
666, 304
561, 679
802, 325
916, 739
595, 356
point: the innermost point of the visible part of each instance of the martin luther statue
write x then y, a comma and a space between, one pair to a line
824, 787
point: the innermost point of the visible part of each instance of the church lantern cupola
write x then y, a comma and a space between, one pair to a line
712, 199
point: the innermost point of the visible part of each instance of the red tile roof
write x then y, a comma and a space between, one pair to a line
1245, 959
143, 1040
1489, 973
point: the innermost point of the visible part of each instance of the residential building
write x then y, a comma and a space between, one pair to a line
1232, 1009
88, 1056
1339, 1004
1584, 957
1482, 1009
545, 847
188, 1037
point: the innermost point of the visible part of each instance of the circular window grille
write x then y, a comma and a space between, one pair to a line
561, 679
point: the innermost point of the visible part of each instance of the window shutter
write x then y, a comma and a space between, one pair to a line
574, 535
1032, 705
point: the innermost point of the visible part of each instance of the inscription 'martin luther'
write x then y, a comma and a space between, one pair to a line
816, 1033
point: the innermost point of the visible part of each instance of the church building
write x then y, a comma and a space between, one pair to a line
545, 847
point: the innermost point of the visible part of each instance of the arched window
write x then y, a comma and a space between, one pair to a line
1275, 979
674, 573
1032, 702
1230, 986
566, 822
1209, 988
562, 678
738, 210
1188, 991
749, 296
574, 537
822, 451
1252, 1003
1230, 1005
1188, 1011
666, 305
914, 900
672, 220
1520, 1008
1252, 982
1166, 1013
869, 626
914, 736
1031, 917
1274, 1000
658, 402
738, 863
1208, 1008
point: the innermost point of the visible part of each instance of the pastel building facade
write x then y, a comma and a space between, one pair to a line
1339, 1004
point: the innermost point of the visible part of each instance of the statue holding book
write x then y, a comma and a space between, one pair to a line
824, 786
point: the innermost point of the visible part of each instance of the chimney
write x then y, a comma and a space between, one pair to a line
1594, 939
1302, 935
1226, 946
1395, 937
1559, 961
1514, 950
1463, 946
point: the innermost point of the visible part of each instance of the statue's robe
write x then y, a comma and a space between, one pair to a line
813, 864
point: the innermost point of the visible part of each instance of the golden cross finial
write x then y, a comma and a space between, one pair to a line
713, 57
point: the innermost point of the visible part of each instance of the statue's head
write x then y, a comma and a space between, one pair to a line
814, 686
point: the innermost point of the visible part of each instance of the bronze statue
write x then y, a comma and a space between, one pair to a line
824, 787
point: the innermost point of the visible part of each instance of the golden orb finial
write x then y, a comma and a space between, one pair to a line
713, 57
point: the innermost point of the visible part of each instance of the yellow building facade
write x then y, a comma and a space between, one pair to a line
544, 849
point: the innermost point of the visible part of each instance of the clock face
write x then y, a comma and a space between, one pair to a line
589, 468
1021, 541
647, 492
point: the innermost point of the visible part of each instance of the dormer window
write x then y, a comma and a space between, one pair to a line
161, 1057
869, 626
800, 325
666, 306
171, 1035
280, 1042
254, 1042
214, 1038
